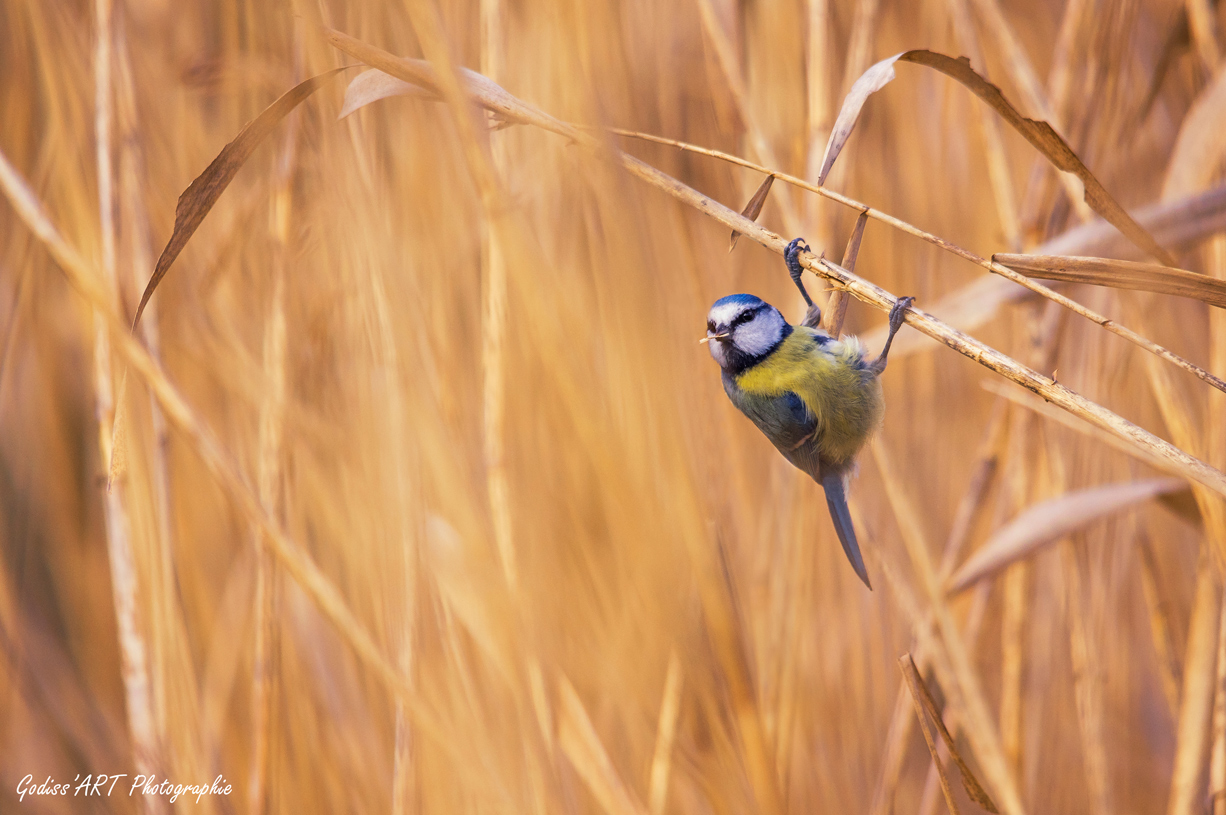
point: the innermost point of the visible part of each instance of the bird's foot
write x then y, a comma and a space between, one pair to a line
791, 256
898, 314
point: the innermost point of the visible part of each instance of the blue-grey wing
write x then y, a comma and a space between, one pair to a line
784, 420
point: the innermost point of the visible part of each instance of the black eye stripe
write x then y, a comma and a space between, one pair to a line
745, 316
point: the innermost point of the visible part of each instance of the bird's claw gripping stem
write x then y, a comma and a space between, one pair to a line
791, 257
898, 315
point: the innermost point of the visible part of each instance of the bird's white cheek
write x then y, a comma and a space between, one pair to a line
719, 352
759, 335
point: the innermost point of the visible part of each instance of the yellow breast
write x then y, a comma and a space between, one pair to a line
832, 381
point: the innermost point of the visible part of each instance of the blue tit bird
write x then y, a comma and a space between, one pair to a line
815, 397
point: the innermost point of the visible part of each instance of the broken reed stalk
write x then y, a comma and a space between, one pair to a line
991, 265
496, 99
911, 675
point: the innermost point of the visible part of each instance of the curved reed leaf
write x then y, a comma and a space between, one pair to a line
1049, 521
203, 192
1040, 134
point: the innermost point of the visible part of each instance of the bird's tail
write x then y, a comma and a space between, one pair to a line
836, 500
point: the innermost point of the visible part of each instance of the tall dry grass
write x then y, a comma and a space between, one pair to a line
435, 505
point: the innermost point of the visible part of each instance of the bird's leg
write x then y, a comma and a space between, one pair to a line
897, 315
791, 256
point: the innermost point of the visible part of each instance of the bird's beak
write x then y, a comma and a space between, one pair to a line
710, 337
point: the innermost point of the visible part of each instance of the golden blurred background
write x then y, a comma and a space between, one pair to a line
590, 584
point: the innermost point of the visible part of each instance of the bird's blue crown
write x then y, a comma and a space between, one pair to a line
746, 300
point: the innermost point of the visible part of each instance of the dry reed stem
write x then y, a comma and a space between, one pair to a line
860, 41
1193, 734
1012, 662
175, 688
1160, 627
1201, 18
405, 784
725, 628
494, 327
20, 302
1087, 686
1217, 760
1174, 223
1045, 409
818, 81
990, 265
1007, 442
911, 675
666, 734
1196, 708
138, 680
498, 100
1018, 487
923, 698
270, 446
1215, 440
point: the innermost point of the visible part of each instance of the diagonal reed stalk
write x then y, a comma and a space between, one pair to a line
991, 265
494, 98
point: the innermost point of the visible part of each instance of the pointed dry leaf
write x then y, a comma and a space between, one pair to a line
871, 81
836, 308
1040, 134
754, 207
1051, 520
923, 700
202, 194
373, 85
912, 676
1120, 274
